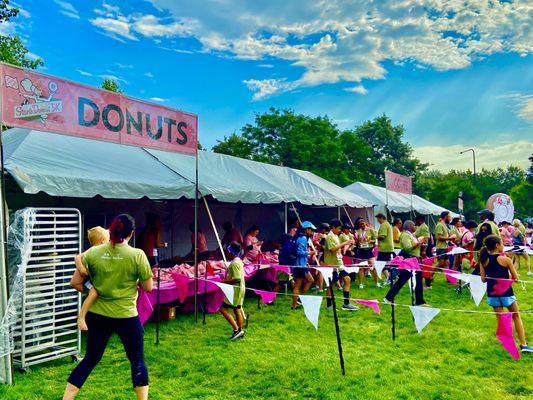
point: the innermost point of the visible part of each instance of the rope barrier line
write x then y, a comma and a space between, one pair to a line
527, 311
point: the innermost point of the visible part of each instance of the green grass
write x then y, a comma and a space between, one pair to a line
282, 357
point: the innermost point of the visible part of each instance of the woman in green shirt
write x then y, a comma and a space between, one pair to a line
115, 270
366, 240
410, 248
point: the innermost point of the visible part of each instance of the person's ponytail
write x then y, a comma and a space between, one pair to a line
483, 255
121, 228
490, 243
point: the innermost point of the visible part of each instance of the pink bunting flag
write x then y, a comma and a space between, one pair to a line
429, 261
396, 260
266, 297
373, 304
181, 282
501, 286
410, 264
282, 268
451, 275
504, 333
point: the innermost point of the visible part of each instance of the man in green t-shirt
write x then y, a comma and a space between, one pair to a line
235, 276
487, 216
422, 231
442, 236
333, 257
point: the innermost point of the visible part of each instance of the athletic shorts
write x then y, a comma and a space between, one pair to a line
338, 275
500, 301
231, 306
385, 256
299, 272
364, 254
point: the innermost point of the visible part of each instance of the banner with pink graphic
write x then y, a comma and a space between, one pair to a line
398, 183
42, 102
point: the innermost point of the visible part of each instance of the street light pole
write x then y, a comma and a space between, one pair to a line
473, 157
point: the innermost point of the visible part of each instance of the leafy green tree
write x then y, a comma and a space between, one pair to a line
522, 195
389, 151
234, 145
12, 49
530, 170
111, 85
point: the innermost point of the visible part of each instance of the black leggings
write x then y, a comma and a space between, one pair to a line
404, 277
130, 332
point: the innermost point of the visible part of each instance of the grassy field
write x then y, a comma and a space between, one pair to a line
282, 357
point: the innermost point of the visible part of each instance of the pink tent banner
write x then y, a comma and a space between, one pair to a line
37, 101
398, 183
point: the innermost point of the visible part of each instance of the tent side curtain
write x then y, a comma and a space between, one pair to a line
77, 167
395, 202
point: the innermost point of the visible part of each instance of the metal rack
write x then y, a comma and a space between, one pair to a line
47, 325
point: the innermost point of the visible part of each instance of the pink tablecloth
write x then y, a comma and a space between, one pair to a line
209, 294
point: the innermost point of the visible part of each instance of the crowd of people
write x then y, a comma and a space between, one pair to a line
111, 270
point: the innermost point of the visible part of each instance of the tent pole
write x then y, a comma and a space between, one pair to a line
214, 229
338, 213
196, 242
285, 217
315, 255
348, 215
6, 361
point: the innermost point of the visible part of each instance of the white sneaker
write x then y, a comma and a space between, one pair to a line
361, 286
387, 301
378, 285
530, 273
349, 307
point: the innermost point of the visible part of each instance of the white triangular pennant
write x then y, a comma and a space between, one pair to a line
327, 274
397, 251
477, 288
350, 270
423, 316
311, 305
227, 289
379, 265
464, 277
457, 250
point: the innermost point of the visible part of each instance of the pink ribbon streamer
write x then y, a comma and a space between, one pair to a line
410, 264
181, 282
373, 304
396, 261
429, 261
504, 333
281, 268
451, 275
501, 286
266, 297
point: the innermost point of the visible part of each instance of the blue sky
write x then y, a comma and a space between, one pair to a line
454, 76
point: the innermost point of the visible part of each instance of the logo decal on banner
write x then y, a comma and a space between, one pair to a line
502, 206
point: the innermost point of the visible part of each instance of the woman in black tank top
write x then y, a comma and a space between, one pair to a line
493, 268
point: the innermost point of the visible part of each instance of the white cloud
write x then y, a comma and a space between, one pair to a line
123, 66
84, 73
357, 89
488, 155
522, 105
148, 74
67, 9
333, 41
266, 65
158, 99
267, 87
113, 78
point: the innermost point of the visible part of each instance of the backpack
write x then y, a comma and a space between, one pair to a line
287, 253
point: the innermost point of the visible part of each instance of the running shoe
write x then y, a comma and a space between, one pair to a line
530, 273
349, 307
361, 286
526, 349
237, 334
378, 285
386, 301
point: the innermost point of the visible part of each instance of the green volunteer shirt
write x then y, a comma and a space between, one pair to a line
442, 230
386, 244
332, 257
370, 235
407, 241
115, 272
494, 228
236, 272
422, 231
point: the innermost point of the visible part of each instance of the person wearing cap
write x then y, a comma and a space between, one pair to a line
345, 236
487, 216
235, 277
410, 248
333, 258
366, 240
301, 270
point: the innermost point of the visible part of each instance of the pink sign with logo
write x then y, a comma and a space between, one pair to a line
398, 183
42, 102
